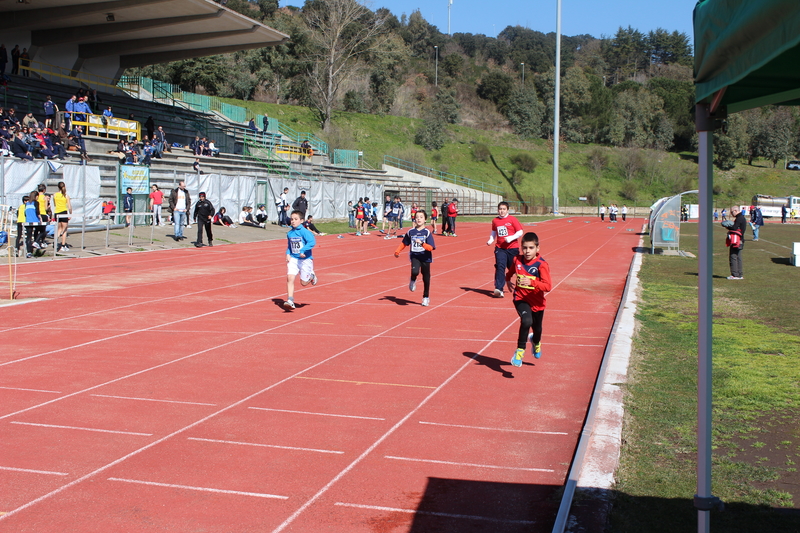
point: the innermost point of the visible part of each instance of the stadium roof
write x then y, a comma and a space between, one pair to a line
138, 32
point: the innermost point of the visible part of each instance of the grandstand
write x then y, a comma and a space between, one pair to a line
264, 156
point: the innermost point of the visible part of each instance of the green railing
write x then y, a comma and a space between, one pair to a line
255, 144
318, 144
345, 158
441, 175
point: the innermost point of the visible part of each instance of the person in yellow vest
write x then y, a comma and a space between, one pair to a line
63, 208
44, 203
21, 225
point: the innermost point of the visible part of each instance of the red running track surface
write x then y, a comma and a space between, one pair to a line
169, 391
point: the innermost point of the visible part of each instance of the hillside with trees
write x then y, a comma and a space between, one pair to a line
623, 94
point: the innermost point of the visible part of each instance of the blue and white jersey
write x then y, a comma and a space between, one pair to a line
414, 239
301, 241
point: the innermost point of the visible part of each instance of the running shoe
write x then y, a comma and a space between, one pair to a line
453, 235
536, 350
518, 355
498, 293
426, 302
314, 280
412, 286
65, 248
358, 234
36, 246
288, 304
29, 256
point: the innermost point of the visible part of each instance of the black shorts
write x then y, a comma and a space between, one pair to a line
58, 218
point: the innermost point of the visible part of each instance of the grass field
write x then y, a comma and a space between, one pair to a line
756, 381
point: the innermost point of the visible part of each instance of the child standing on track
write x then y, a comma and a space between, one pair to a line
298, 257
420, 239
506, 229
529, 280
434, 216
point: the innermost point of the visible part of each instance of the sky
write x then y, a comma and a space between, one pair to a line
594, 17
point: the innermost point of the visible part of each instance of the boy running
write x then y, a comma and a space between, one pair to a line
531, 279
506, 229
420, 239
298, 257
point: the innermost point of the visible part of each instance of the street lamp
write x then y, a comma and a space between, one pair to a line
523, 74
436, 49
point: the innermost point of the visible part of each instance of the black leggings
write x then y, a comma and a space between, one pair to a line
416, 266
528, 319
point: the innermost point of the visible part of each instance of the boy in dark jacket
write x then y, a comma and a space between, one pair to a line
203, 215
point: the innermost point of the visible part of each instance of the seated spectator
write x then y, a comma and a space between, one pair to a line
11, 118
252, 125
246, 218
221, 219
29, 121
261, 214
132, 155
309, 224
194, 146
212, 149
148, 150
19, 148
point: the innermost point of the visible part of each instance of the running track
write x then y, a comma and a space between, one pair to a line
169, 391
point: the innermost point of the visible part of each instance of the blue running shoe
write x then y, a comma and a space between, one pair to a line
518, 355
537, 349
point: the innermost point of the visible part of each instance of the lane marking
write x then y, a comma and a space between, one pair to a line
28, 470
202, 489
434, 513
150, 399
413, 327
369, 382
497, 467
497, 429
31, 390
264, 445
325, 323
83, 429
317, 414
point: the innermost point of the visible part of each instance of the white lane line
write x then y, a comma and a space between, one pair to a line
317, 414
496, 429
83, 429
202, 489
451, 463
264, 445
31, 390
28, 470
150, 399
434, 513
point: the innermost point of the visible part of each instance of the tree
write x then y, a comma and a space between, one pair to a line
341, 31
731, 146
778, 143
639, 121
496, 87
575, 100
524, 112
432, 134
446, 106
452, 65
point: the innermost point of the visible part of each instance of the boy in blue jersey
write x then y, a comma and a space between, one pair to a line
420, 239
298, 257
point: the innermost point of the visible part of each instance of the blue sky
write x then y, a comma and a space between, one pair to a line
595, 17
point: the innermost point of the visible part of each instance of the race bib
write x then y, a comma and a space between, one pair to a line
525, 282
502, 231
416, 245
295, 244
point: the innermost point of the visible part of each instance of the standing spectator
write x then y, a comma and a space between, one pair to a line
32, 217
127, 206
50, 110
625, 212
62, 206
156, 201
150, 126
445, 227
148, 152
756, 220
506, 230
280, 204
434, 217
160, 142
265, 121
351, 215
387, 208
452, 213
4, 61
82, 110
179, 203
367, 216
106, 118
784, 212
724, 215
69, 109
735, 242
21, 225
203, 215
716, 215
301, 204
25, 61
359, 216
602, 212
15, 53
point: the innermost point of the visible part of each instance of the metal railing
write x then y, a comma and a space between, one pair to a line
107, 126
316, 143
441, 175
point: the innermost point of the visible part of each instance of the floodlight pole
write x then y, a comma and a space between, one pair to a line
556, 113
449, 7
523, 74
436, 49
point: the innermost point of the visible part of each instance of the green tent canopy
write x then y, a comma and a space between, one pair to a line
749, 48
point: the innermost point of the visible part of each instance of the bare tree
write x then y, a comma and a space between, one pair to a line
341, 32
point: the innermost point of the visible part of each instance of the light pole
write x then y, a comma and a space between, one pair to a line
436, 49
557, 108
523, 74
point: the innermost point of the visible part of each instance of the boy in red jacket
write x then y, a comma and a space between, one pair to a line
529, 280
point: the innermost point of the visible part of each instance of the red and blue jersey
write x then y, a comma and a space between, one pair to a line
532, 281
414, 239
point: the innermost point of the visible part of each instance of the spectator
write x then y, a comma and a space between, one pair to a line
50, 110
252, 125
161, 142
246, 218
203, 215
25, 61
12, 119
309, 224
264, 121
196, 166
213, 151
81, 110
127, 206
194, 146
179, 203
63, 208
301, 204
106, 118
20, 149
156, 201
148, 152
735, 242
261, 214
756, 220
150, 126
70, 108
15, 53
351, 215
280, 203
452, 213
306, 151
222, 219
